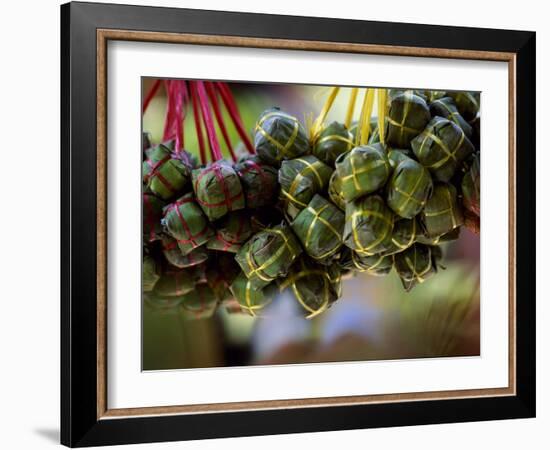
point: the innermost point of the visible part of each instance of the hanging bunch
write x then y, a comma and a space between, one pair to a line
301, 206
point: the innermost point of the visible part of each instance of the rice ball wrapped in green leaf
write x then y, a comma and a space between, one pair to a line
300, 180
163, 174
232, 231
377, 265
185, 222
333, 140
409, 188
441, 148
279, 136
407, 117
218, 189
200, 303
467, 103
369, 225
405, 232
442, 213
335, 191
314, 286
320, 227
176, 258
175, 282
252, 299
150, 273
471, 186
152, 215
269, 254
416, 264
259, 181
363, 170
445, 107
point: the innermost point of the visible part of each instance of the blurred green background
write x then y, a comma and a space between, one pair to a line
375, 318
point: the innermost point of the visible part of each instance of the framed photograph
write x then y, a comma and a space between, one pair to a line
277, 224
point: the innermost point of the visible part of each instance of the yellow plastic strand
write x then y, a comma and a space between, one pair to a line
351, 107
316, 128
382, 111
362, 136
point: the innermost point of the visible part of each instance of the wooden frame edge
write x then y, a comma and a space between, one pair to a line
104, 35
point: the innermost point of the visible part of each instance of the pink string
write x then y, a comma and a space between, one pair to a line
150, 95
208, 121
196, 118
215, 106
231, 107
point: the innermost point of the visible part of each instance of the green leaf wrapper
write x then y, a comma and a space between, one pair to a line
409, 188
447, 237
251, 298
363, 170
163, 174
333, 140
259, 181
185, 222
396, 155
314, 286
218, 190
200, 303
335, 191
441, 148
300, 180
369, 225
176, 258
445, 107
377, 265
269, 254
150, 274
408, 115
152, 214
232, 231
416, 264
441, 213
471, 185
467, 103
175, 282
279, 136
320, 227
404, 235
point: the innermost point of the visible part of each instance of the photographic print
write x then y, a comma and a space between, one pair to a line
298, 224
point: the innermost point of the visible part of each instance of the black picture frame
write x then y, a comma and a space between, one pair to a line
80, 425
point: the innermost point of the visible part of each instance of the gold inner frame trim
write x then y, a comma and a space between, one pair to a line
103, 36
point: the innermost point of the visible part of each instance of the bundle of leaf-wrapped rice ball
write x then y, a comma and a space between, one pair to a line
269, 254
314, 286
306, 210
218, 189
300, 180
363, 170
164, 174
279, 136
441, 147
